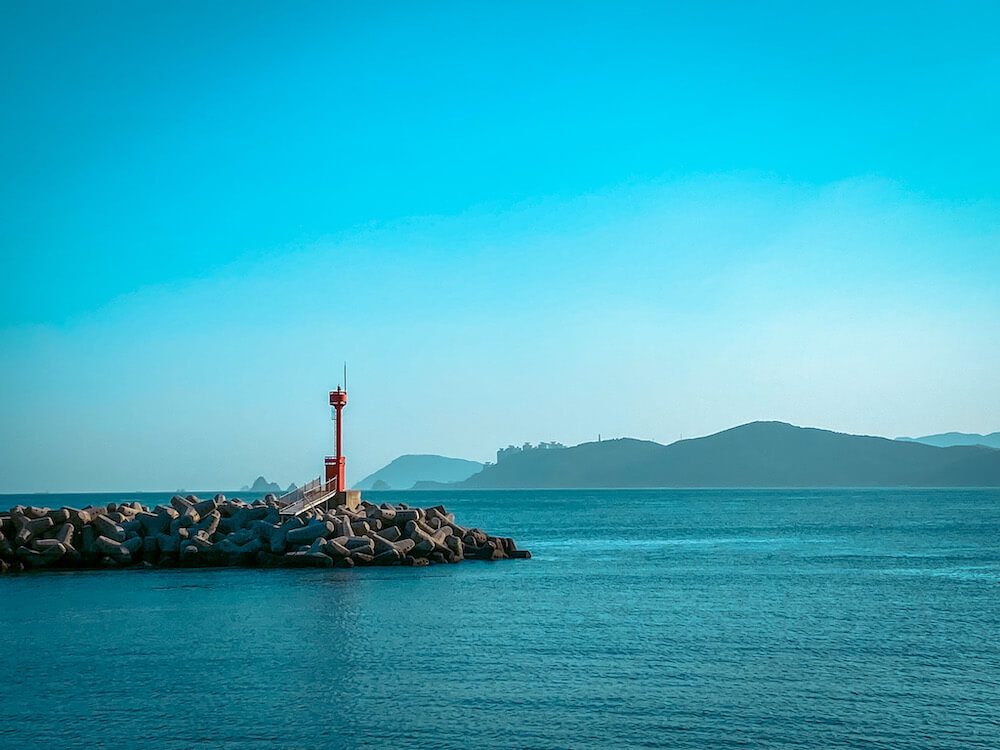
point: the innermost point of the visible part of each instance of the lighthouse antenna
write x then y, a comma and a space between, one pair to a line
345, 375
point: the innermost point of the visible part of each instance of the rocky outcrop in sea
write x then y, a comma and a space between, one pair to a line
190, 532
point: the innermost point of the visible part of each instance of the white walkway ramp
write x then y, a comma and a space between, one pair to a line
307, 497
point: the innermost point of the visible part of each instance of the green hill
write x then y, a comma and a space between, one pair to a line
759, 454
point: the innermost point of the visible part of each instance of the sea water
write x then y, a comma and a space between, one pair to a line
678, 619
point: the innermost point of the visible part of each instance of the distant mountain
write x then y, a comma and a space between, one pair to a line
948, 439
759, 454
262, 485
406, 471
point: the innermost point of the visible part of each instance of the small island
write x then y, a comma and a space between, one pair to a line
191, 532
260, 484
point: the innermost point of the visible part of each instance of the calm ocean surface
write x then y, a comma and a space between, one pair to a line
678, 619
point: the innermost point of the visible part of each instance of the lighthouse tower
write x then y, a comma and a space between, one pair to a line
329, 490
335, 464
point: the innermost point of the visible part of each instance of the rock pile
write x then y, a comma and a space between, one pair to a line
220, 532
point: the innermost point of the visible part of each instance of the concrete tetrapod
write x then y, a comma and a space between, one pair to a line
192, 532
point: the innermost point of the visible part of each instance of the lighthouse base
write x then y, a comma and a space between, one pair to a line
351, 499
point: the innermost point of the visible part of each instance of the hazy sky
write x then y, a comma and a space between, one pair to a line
514, 221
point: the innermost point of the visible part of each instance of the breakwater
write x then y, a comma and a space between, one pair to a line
191, 532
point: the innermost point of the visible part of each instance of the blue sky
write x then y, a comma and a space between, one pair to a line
515, 221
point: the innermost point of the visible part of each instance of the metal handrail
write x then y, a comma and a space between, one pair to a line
301, 495
300, 492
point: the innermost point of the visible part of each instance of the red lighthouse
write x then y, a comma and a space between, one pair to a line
329, 490
335, 464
